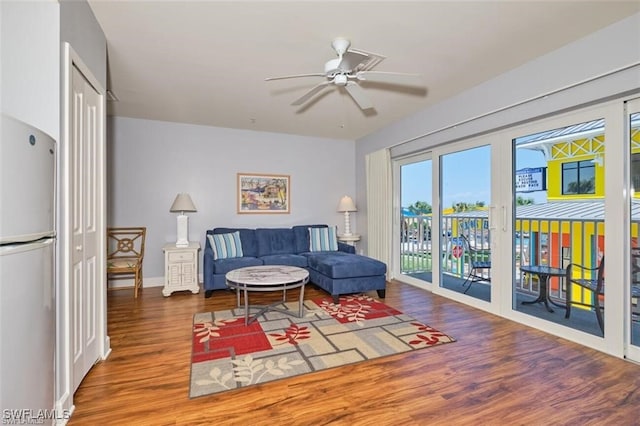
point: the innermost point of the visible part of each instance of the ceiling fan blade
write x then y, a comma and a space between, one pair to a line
316, 74
311, 93
391, 78
358, 95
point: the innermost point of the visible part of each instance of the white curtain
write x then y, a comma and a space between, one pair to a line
379, 206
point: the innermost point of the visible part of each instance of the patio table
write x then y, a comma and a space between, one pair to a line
543, 272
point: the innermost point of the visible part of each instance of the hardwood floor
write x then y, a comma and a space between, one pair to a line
498, 372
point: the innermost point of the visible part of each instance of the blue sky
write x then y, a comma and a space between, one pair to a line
465, 177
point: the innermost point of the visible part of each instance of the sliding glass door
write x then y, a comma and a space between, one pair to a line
465, 237
413, 256
559, 194
519, 222
633, 287
571, 179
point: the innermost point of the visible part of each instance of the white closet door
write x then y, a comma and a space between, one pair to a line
85, 205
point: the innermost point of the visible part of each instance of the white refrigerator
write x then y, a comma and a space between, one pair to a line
27, 268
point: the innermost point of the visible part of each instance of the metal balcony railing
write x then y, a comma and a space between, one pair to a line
553, 242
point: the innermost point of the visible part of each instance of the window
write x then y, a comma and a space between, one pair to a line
578, 177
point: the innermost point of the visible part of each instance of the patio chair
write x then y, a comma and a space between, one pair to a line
587, 278
479, 261
125, 253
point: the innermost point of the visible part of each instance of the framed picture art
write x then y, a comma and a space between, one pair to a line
261, 193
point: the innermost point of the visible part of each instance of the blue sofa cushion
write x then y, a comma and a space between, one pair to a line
285, 259
342, 265
247, 238
301, 233
275, 241
225, 265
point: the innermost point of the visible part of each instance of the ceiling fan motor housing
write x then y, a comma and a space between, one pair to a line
340, 45
332, 67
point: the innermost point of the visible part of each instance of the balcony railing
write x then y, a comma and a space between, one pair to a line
553, 242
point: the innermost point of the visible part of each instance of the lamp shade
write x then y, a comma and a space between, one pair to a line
346, 204
183, 203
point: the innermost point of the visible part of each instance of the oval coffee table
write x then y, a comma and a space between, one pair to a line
267, 278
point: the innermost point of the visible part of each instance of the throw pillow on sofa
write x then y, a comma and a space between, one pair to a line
323, 239
225, 246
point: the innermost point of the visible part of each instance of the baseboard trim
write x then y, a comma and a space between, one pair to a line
146, 282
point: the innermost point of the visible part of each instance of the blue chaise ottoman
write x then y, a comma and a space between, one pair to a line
342, 273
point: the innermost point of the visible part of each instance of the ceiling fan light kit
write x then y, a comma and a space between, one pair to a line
347, 69
340, 80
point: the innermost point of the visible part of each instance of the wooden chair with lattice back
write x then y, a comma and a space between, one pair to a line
125, 253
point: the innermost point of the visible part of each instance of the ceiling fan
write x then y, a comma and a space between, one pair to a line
350, 67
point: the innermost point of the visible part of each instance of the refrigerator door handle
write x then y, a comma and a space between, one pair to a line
6, 250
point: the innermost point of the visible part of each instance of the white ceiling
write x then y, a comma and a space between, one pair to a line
204, 62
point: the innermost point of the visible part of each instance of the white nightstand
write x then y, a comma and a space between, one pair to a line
349, 239
181, 268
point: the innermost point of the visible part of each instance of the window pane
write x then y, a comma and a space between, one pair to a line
587, 179
465, 194
569, 179
578, 177
415, 220
557, 225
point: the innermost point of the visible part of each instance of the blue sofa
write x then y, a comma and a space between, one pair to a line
337, 272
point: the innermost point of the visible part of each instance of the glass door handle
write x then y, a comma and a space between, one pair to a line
504, 218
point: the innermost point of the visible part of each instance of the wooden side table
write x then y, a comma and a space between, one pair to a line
181, 268
349, 239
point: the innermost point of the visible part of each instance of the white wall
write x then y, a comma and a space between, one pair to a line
610, 49
81, 29
30, 55
149, 162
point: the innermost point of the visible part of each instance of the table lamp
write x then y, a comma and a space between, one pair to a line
346, 205
182, 204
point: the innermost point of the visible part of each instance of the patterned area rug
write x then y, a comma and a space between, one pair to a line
227, 354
